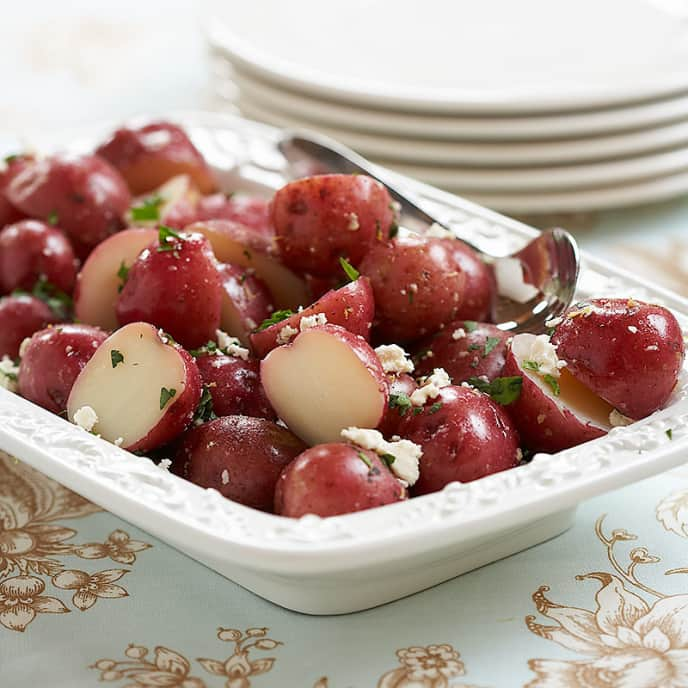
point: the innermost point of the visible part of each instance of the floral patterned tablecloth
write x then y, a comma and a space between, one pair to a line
86, 598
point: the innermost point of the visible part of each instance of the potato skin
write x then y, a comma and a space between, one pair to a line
250, 211
351, 307
542, 424
480, 290
149, 156
635, 369
52, 362
88, 196
20, 317
30, 249
8, 213
398, 384
252, 451
468, 437
235, 386
178, 291
318, 219
464, 357
333, 479
418, 286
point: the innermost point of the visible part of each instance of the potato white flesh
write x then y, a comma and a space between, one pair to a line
573, 396
318, 385
126, 397
98, 282
233, 322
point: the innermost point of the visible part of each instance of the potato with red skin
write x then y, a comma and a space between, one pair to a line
246, 302
461, 349
628, 352
480, 291
464, 436
20, 317
235, 386
85, 194
30, 249
250, 211
177, 287
241, 457
549, 422
319, 219
173, 204
351, 307
333, 479
150, 155
52, 360
399, 385
14, 165
418, 285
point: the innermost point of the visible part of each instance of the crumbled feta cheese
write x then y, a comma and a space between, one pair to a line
225, 477
286, 334
68, 349
231, 345
553, 322
459, 333
86, 418
119, 442
633, 329
652, 347
165, 464
8, 374
24, 346
406, 454
353, 222
431, 387
510, 282
618, 420
309, 321
163, 338
394, 359
436, 231
544, 353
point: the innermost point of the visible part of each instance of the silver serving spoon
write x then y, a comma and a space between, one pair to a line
550, 262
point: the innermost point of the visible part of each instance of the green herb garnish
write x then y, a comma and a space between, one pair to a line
490, 344
553, 383
389, 459
474, 347
165, 396
123, 274
669, 433
58, 302
148, 210
164, 235
247, 254
210, 347
53, 219
531, 365
9, 159
365, 459
435, 407
116, 357
503, 390
204, 411
393, 230
417, 410
349, 269
276, 317
470, 325
401, 402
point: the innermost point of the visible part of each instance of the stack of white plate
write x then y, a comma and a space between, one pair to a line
529, 106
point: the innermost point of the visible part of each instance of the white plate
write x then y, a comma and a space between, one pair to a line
462, 56
352, 562
530, 128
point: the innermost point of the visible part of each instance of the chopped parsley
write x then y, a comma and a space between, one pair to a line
470, 325
503, 390
553, 383
204, 411
58, 302
531, 365
165, 396
123, 274
410, 295
149, 209
165, 234
490, 344
116, 357
393, 230
669, 433
389, 459
474, 347
53, 219
276, 317
9, 159
247, 254
210, 347
435, 407
417, 410
349, 269
365, 459
401, 402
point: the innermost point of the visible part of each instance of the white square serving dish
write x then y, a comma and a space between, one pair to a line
348, 563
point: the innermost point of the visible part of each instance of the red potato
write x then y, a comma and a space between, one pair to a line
319, 286
326, 380
176, 286
334, 479
628, 352
30, 249
84, 194
239, 245
465, 349
549, 422
250, 211
464, 436
102, 276
246, 302
319, 219
235, 386
20, 317
400, 387
53, 359
173, 204
480, 291
12, 166
240, 457
149, 156
418, 285
142, 389
351, 307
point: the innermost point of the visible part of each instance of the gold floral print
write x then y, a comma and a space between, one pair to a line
626, 640
672, 513
32, 546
